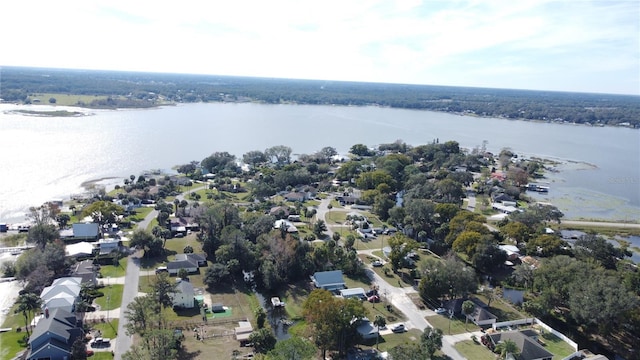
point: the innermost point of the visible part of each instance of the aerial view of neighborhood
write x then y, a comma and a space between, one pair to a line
395, 251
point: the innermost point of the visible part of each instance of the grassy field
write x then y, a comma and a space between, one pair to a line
450, 326
504, 311
107, 329
114, 271
139, 214
474, 351
11, 341
390, 341
68, 100
556, 345
114, 295
102, 355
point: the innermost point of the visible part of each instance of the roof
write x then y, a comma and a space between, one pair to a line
82, 230
529, 347
327, 278
352, 292
79, 249
59, 322
180, 264
184, 287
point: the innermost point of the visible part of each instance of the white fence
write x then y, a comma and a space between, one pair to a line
543, 325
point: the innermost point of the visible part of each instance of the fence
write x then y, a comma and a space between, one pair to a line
543, 325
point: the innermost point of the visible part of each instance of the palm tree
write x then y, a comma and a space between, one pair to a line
467, 309
27, 302
507, 347
379, 321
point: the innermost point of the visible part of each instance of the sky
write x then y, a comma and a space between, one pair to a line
566, 45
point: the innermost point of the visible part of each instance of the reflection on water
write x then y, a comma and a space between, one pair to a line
276, 316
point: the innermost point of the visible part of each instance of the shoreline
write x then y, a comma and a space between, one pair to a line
9, 291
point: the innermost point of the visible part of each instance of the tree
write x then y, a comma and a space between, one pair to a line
183, 274
27, 303
431, 341
332, 319
63, 220
467, 308
42, 234
400, 245
188, 249
506, 347
261, 317
263, 340
467, 242
517, 231
163, 289
216, 275
140, 314
279, 154
79, 349
293, 348
379, 322
254, 158
446, 278
360, 150
319, 227
103, 212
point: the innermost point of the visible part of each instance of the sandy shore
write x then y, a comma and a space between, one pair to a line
8, 290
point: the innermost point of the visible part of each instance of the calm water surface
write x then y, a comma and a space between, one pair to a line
47, 158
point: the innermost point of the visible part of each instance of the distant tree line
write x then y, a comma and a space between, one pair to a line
139, 88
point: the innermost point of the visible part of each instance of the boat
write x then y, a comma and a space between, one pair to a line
275, 301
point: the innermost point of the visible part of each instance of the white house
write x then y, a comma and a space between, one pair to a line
63, 293
184, 297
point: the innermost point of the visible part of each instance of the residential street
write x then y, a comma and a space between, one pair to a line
124, 341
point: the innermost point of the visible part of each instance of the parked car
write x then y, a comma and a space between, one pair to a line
377, 263
374, 299
441, 311
398, 328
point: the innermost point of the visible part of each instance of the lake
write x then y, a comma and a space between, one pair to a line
45, 158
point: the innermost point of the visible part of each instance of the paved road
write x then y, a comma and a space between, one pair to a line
124, 341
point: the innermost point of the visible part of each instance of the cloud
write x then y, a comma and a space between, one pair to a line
492, 43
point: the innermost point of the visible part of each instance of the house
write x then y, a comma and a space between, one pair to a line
184, 296
86, 271
527, 343
107, 246
366, 329
243, 331
513, 252
329, 280
353, 293
296, 196
79, 250
481, 316
279, 224
189, 262
280, 212
86, 232
63, 293
54, 335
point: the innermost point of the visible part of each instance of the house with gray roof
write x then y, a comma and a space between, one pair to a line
527, 342
329, 280
189, 262
54, 336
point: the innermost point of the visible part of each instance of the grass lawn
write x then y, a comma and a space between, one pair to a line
387, 342
68, 99
114, 294
101, 355
107, 329
504, 311
114, 271
10, 340
139, 214
557, 346
474, 351
457, 326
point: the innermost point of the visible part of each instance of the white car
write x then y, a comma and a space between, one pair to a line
441, 311
398, 328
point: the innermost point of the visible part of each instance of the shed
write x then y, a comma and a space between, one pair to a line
355, 292
217, 308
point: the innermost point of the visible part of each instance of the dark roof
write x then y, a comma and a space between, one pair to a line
180, 264
85, 230
529, 347
59, 322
